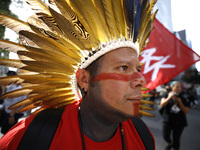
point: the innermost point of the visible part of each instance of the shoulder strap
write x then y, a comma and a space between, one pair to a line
40, 132
144, 133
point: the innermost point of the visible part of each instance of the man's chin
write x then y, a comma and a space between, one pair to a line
135, 109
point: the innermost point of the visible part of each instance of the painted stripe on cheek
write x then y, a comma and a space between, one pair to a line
116, 76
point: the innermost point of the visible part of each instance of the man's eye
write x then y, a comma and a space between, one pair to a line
123, 68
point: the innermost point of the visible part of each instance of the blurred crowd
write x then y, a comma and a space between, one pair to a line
191, 92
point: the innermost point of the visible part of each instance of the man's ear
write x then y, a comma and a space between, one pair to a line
83, 78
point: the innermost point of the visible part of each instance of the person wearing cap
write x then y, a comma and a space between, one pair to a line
84, 75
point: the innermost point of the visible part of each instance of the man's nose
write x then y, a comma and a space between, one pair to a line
138, 82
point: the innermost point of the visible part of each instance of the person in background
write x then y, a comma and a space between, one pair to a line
12, 116
175, 107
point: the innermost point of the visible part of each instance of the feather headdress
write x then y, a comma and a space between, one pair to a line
66, 35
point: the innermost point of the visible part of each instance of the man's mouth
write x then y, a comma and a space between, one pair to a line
135, 100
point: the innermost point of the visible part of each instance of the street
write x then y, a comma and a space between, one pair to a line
190, 137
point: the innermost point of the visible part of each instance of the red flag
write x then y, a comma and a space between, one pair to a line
165, 57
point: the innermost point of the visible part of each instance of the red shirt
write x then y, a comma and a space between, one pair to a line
68, 135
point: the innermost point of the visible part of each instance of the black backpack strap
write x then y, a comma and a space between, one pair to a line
40, 132
144, 133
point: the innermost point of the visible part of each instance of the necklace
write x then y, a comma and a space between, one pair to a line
82, 136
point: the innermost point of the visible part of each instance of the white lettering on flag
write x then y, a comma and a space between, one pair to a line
160, 60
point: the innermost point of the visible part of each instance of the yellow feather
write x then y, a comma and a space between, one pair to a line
80, 12
119, 17
35, 89
38, 6
48, 66
143, 113
148, 102
34, 20
26, 101
49, 44
13, 23
48, 103
10, 46
30, 107
53, 37
97, 24
44, 97
143, 107
11, 63
51, 53
110, 17
145, 95
41, 78
79, 29
102, 14
152, 3
16, 93
69, 33
69, 14
58, 99
10, 80
46, 58
144, 88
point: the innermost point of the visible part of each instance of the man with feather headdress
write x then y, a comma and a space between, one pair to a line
79, 62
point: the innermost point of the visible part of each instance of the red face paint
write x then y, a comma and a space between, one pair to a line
136, 108
116, 76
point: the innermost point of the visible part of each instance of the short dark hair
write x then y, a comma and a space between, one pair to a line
94, 67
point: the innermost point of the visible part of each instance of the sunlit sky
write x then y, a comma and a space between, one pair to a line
185, 15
